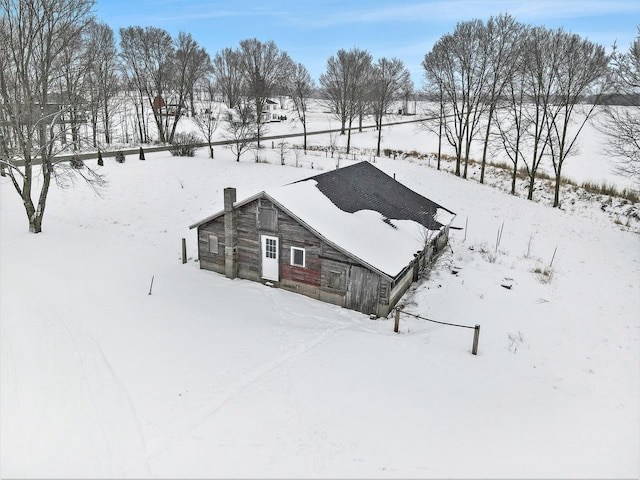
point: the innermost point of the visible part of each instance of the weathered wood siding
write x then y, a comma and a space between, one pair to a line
362, 290
305, 279
328, 274
208, 260
249, 248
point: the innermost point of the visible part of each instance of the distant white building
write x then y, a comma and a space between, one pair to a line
271, 112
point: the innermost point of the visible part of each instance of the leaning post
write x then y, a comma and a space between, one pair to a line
184, 251
397, 323
476, 336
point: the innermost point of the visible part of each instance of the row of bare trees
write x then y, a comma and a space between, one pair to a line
163, 72
354, 86
529, 90
61, 73
501, 82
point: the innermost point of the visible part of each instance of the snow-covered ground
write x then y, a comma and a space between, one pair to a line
207, 377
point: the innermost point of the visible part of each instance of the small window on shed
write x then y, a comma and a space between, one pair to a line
336, 280
213, 243
298, 257
267, 219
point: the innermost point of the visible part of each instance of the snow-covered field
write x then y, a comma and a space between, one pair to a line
208, 377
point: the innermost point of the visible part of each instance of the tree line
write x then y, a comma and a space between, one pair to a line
528, 91
67, 84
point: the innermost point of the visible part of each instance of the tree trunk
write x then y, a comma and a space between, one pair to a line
259, 130
486, 145
304, 129
532, 179
556, 190
94, 130
440, 138
107, 135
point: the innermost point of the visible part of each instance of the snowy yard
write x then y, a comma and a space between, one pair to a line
208, 377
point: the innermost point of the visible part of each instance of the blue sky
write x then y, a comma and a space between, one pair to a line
311, 31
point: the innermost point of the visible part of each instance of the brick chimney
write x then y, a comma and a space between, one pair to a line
230, 234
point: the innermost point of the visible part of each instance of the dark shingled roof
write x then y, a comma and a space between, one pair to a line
362, 186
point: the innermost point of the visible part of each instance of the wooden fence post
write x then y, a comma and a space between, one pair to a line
184, 251
476, 335
397, 324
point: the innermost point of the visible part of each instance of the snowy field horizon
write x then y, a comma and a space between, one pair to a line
214, 378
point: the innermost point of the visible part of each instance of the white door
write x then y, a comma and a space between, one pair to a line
270, 258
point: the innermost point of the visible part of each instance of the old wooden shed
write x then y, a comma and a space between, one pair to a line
354, 237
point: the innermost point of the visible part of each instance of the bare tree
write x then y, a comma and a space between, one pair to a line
512, 122
457, 67
198, 66
147, 55
435, 116
541, 56
345, 85
283, 148
334, 83
621, 121
301, 85
33, 36
241, 129
75, 62
581, 73
191, 63
102, 78
209, 120
228, 72
389, 78
265, 69
502, 47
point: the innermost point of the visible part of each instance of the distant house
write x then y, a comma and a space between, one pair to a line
354, 237
271, 112
169, 109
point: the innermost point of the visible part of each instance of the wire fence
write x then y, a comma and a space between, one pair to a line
435, 321
476, 328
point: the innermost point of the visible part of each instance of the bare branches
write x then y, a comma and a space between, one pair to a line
390, 77
66, 176
621, 121
34, 36
264, 68
345, 85
300, 87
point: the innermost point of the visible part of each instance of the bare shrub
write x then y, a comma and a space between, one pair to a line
184, 144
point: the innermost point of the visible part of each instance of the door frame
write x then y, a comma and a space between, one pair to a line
269, 266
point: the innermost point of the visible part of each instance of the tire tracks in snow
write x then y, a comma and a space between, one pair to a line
111, 411
13, 406
172, 436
